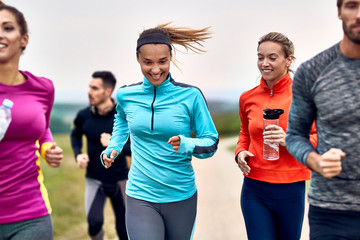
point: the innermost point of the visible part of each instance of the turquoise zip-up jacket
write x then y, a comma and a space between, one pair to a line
151, 115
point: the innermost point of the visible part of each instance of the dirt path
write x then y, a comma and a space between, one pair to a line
219, 184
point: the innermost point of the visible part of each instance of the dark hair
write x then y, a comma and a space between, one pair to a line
339, 3
109, 81
20, 19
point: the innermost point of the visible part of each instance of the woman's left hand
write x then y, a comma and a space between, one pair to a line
275, 134
54, 156
175, 142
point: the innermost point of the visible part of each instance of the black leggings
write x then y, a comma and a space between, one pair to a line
273, 211
159, 221
34, 229
96, 193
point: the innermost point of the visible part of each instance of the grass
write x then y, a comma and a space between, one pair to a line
66, 187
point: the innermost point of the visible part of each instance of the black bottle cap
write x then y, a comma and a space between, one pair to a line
272, 113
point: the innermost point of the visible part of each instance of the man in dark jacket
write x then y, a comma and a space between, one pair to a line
96, 123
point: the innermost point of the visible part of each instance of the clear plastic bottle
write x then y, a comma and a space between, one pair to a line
5, 116
271, 117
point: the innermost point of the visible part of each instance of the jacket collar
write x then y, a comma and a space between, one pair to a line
279, 85
162, 87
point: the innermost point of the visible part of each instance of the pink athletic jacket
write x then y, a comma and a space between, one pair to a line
23, 195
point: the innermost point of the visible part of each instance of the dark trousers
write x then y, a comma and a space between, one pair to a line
273, 211
328, 224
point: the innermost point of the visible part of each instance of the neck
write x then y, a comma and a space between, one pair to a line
349, 48
271, 84
10, 75
105, 107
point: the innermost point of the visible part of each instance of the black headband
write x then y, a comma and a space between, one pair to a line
153, 38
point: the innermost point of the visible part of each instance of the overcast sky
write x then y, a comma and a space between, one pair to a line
70, 39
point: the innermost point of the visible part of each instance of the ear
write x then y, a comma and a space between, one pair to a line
24, 40
289, 61
108, 91
339, 13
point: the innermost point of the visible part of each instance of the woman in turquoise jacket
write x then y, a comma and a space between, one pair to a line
162, 116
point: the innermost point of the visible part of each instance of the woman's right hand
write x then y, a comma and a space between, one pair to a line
109, 160
242, 161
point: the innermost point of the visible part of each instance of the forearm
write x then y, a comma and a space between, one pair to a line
199, 147
76, 144
312, 160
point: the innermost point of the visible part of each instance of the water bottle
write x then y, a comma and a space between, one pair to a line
271, 117
5, 116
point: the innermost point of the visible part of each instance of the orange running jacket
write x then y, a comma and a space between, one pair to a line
251, 104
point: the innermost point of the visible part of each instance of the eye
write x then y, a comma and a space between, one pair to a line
9, 28
351, 5
273, 59
260, 58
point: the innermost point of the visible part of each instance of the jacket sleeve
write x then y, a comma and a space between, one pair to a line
47, 136
120, 133
76, 135
244, 136
301, 117
204, 145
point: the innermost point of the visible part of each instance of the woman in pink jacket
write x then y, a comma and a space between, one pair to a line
24, 203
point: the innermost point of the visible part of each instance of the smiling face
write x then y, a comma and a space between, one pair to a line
349, 13
154, 60
272, 62
11, 40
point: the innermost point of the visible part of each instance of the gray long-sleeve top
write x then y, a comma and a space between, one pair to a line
327, 88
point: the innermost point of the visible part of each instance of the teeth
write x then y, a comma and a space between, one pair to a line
156, 76
265, 70
2, 46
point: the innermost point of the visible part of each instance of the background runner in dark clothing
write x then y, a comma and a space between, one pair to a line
96, 122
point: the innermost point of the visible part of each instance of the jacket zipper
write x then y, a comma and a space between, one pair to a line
268, 101
152, 110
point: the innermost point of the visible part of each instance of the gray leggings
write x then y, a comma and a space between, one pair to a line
33, 229
160, 221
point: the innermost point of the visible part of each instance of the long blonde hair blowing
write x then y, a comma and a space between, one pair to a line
189, 38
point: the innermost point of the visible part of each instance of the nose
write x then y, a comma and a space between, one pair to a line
265, 62
358, 14
155, 69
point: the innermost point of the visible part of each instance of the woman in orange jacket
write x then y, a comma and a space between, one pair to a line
273, 192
